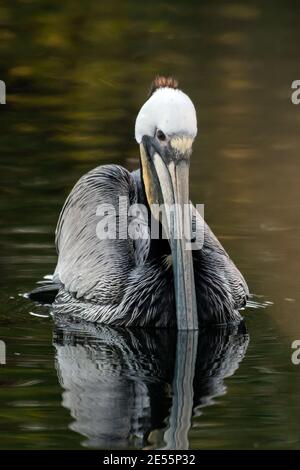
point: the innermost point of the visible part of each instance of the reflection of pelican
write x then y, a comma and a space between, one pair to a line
128, 281
140, 388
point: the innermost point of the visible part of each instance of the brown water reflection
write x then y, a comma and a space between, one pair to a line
76, 74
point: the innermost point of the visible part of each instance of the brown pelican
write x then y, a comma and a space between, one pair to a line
144, 281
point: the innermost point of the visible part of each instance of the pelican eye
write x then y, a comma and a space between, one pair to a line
160, 135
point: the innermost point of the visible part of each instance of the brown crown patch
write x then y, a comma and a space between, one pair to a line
163, 82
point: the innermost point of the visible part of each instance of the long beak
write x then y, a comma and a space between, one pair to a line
173, 180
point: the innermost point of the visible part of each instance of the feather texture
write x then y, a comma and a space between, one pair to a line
116, 281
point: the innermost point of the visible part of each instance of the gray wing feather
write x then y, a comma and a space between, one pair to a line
226, 285
232, 276
88, 267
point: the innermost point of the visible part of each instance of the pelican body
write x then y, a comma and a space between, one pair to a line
145, 282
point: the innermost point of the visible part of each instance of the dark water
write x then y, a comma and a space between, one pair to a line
76, 74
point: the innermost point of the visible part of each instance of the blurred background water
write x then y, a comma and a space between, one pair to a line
77, 73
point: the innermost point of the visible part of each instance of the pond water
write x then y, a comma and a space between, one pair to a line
76, 74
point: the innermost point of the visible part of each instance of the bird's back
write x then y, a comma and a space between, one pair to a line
120, 281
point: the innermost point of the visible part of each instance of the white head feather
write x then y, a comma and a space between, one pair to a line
169, 110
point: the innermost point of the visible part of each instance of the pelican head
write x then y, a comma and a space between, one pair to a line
165, 128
